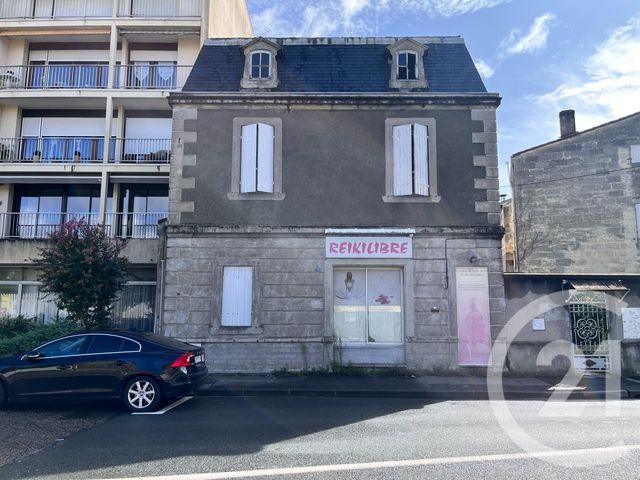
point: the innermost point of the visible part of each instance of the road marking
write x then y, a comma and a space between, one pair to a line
165, 409
274, 472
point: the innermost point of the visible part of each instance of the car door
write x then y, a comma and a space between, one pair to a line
48, 371
108, 359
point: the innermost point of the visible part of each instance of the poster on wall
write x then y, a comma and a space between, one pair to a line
474, 328
630, 323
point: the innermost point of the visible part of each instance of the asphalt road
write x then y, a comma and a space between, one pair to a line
350, 438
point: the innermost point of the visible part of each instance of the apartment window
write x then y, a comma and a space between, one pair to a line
411, 160
368, 305
142, 207
256, 170
237, 296
260, 64
635, 153
407, 66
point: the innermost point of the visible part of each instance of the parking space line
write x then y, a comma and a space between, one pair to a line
180, 401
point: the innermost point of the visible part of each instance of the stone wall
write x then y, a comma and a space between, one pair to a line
292, 315
575, 202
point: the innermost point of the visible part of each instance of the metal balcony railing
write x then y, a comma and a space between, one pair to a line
56, 76
54, 150
70, 9
40, 225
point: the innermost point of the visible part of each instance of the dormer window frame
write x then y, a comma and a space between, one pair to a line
416, 72
407, 46
262, 46
261, 65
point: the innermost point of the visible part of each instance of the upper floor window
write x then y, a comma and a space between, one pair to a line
256, 169
407, 66
411, 173
260, 65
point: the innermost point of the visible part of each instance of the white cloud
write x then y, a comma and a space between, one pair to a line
535, 39
351, 17
609, 86
484, 68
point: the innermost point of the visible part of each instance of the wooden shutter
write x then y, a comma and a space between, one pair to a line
248, 158
420, 159
402, 184
265, 158
237, 296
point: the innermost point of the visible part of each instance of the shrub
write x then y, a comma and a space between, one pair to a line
26, 334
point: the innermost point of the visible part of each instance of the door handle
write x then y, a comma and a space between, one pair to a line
120, 363
64, 367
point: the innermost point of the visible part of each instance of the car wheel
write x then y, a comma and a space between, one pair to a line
3, 394
142, 394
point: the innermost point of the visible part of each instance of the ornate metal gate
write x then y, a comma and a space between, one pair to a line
590, 331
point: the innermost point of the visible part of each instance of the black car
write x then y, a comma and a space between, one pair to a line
139, 368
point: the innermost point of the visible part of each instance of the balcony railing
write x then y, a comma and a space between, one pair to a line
38, 226
56, 150
59, 76
70, 9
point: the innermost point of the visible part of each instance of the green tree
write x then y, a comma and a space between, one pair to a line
83, 268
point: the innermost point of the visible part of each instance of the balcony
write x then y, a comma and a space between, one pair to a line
60, 76
84, 150
38, 226
74, 9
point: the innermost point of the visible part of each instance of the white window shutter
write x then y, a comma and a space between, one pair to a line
402, 184
237, 296
249, 158
420, 159
265, 157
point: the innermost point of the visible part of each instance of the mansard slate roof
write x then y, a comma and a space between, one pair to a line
349, 65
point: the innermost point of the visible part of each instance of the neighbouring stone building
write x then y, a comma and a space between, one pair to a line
334, 201
576, 207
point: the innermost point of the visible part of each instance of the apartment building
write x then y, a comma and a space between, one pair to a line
85, 129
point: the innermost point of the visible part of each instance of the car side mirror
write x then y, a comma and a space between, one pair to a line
34, 356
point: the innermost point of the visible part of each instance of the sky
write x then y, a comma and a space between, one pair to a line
541, 56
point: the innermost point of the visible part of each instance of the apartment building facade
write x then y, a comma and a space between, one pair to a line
85, 130
334, 200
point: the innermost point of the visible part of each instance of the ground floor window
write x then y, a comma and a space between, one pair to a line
367, 305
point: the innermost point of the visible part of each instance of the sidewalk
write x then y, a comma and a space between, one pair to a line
428, 387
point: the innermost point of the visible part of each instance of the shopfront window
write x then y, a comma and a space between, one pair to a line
368, 305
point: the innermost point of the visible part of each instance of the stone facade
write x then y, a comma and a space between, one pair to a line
575, 202
292, 327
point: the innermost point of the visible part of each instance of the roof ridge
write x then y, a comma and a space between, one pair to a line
336, 40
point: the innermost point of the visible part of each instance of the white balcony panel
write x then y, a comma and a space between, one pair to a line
93, 56
72, 127
148, 128
31, 126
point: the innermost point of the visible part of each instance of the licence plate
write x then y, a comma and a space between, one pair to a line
198, 359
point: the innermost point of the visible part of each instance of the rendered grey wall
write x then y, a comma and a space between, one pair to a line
575, 203
334, 170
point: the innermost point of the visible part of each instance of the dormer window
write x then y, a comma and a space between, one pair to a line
261, 64
407, 65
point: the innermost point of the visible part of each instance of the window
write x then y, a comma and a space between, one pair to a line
256, 170
260, 64
638, 221
367, 305
111, 344
635, 153
237, 296
411, 160
65, 347
407, 66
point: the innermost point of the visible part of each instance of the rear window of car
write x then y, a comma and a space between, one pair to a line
168, 342
111, 343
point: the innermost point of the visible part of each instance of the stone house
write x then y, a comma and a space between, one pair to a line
576, 206
334, 201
